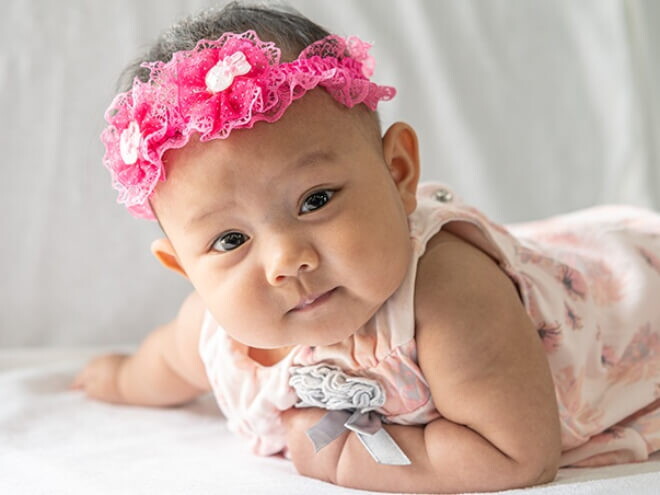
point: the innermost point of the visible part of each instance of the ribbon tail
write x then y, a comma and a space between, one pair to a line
380, 445
384, 449
329, 428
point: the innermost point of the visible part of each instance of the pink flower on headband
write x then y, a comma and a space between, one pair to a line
230, 83
359, 50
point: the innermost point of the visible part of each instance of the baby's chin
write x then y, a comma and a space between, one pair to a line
309, 339
326, 340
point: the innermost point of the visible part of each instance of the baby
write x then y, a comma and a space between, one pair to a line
381, 334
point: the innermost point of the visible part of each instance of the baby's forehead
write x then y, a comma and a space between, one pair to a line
315, 131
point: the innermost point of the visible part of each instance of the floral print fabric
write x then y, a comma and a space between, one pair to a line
590, 282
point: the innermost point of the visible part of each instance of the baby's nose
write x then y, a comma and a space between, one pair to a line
289, 256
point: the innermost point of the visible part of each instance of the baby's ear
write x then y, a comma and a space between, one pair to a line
402, 158
164, 252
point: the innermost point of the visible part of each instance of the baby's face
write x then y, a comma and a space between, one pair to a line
293, 232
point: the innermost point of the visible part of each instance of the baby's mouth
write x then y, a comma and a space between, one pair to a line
313, 301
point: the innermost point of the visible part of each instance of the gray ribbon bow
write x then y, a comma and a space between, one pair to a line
350, 400
369, 430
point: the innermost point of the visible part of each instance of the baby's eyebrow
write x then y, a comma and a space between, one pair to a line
202, 215
314, 157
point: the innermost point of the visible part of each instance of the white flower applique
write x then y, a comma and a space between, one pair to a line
129, 143
222, 74
330, 388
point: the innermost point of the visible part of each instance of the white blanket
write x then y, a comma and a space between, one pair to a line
54, 441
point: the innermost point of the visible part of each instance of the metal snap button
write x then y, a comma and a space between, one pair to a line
443, 195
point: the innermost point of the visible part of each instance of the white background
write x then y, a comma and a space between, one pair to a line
526, 107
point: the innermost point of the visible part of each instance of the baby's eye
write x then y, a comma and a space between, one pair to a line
229, 241
316, 200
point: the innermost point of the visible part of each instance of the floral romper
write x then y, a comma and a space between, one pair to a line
590, 282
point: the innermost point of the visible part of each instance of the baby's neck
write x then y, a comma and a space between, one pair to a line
268, 357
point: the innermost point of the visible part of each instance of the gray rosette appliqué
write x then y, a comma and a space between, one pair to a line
328, 387
350, 401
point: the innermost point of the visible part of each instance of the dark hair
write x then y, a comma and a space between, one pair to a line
287, 28
291, 31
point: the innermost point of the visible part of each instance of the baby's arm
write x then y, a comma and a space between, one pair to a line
489, 379
165, 370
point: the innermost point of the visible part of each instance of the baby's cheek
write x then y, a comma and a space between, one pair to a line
384, 269
237, 304
384, 246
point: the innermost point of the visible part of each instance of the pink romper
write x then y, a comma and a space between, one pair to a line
590, 282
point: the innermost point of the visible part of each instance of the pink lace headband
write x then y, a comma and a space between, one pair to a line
218, 86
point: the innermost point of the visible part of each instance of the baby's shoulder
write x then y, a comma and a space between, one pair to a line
466, 307
455, 277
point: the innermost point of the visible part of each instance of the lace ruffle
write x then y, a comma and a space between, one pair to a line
328, 387
218, 86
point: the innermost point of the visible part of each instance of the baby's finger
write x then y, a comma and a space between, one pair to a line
78, 382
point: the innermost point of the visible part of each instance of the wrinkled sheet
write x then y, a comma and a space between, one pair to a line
54, 441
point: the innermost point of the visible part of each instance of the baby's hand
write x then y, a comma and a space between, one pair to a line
100, 378
321, 465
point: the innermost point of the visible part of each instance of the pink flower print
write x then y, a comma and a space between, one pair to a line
649, 428
573, 320
404, 385
608, 435
550, 335
526, 255
608, 356
605, 287
573, 281
562, 238
646, 422
408, 385
613, 447
591, 417
569, 389
531, 303
641, 358
651, 258
579, 415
